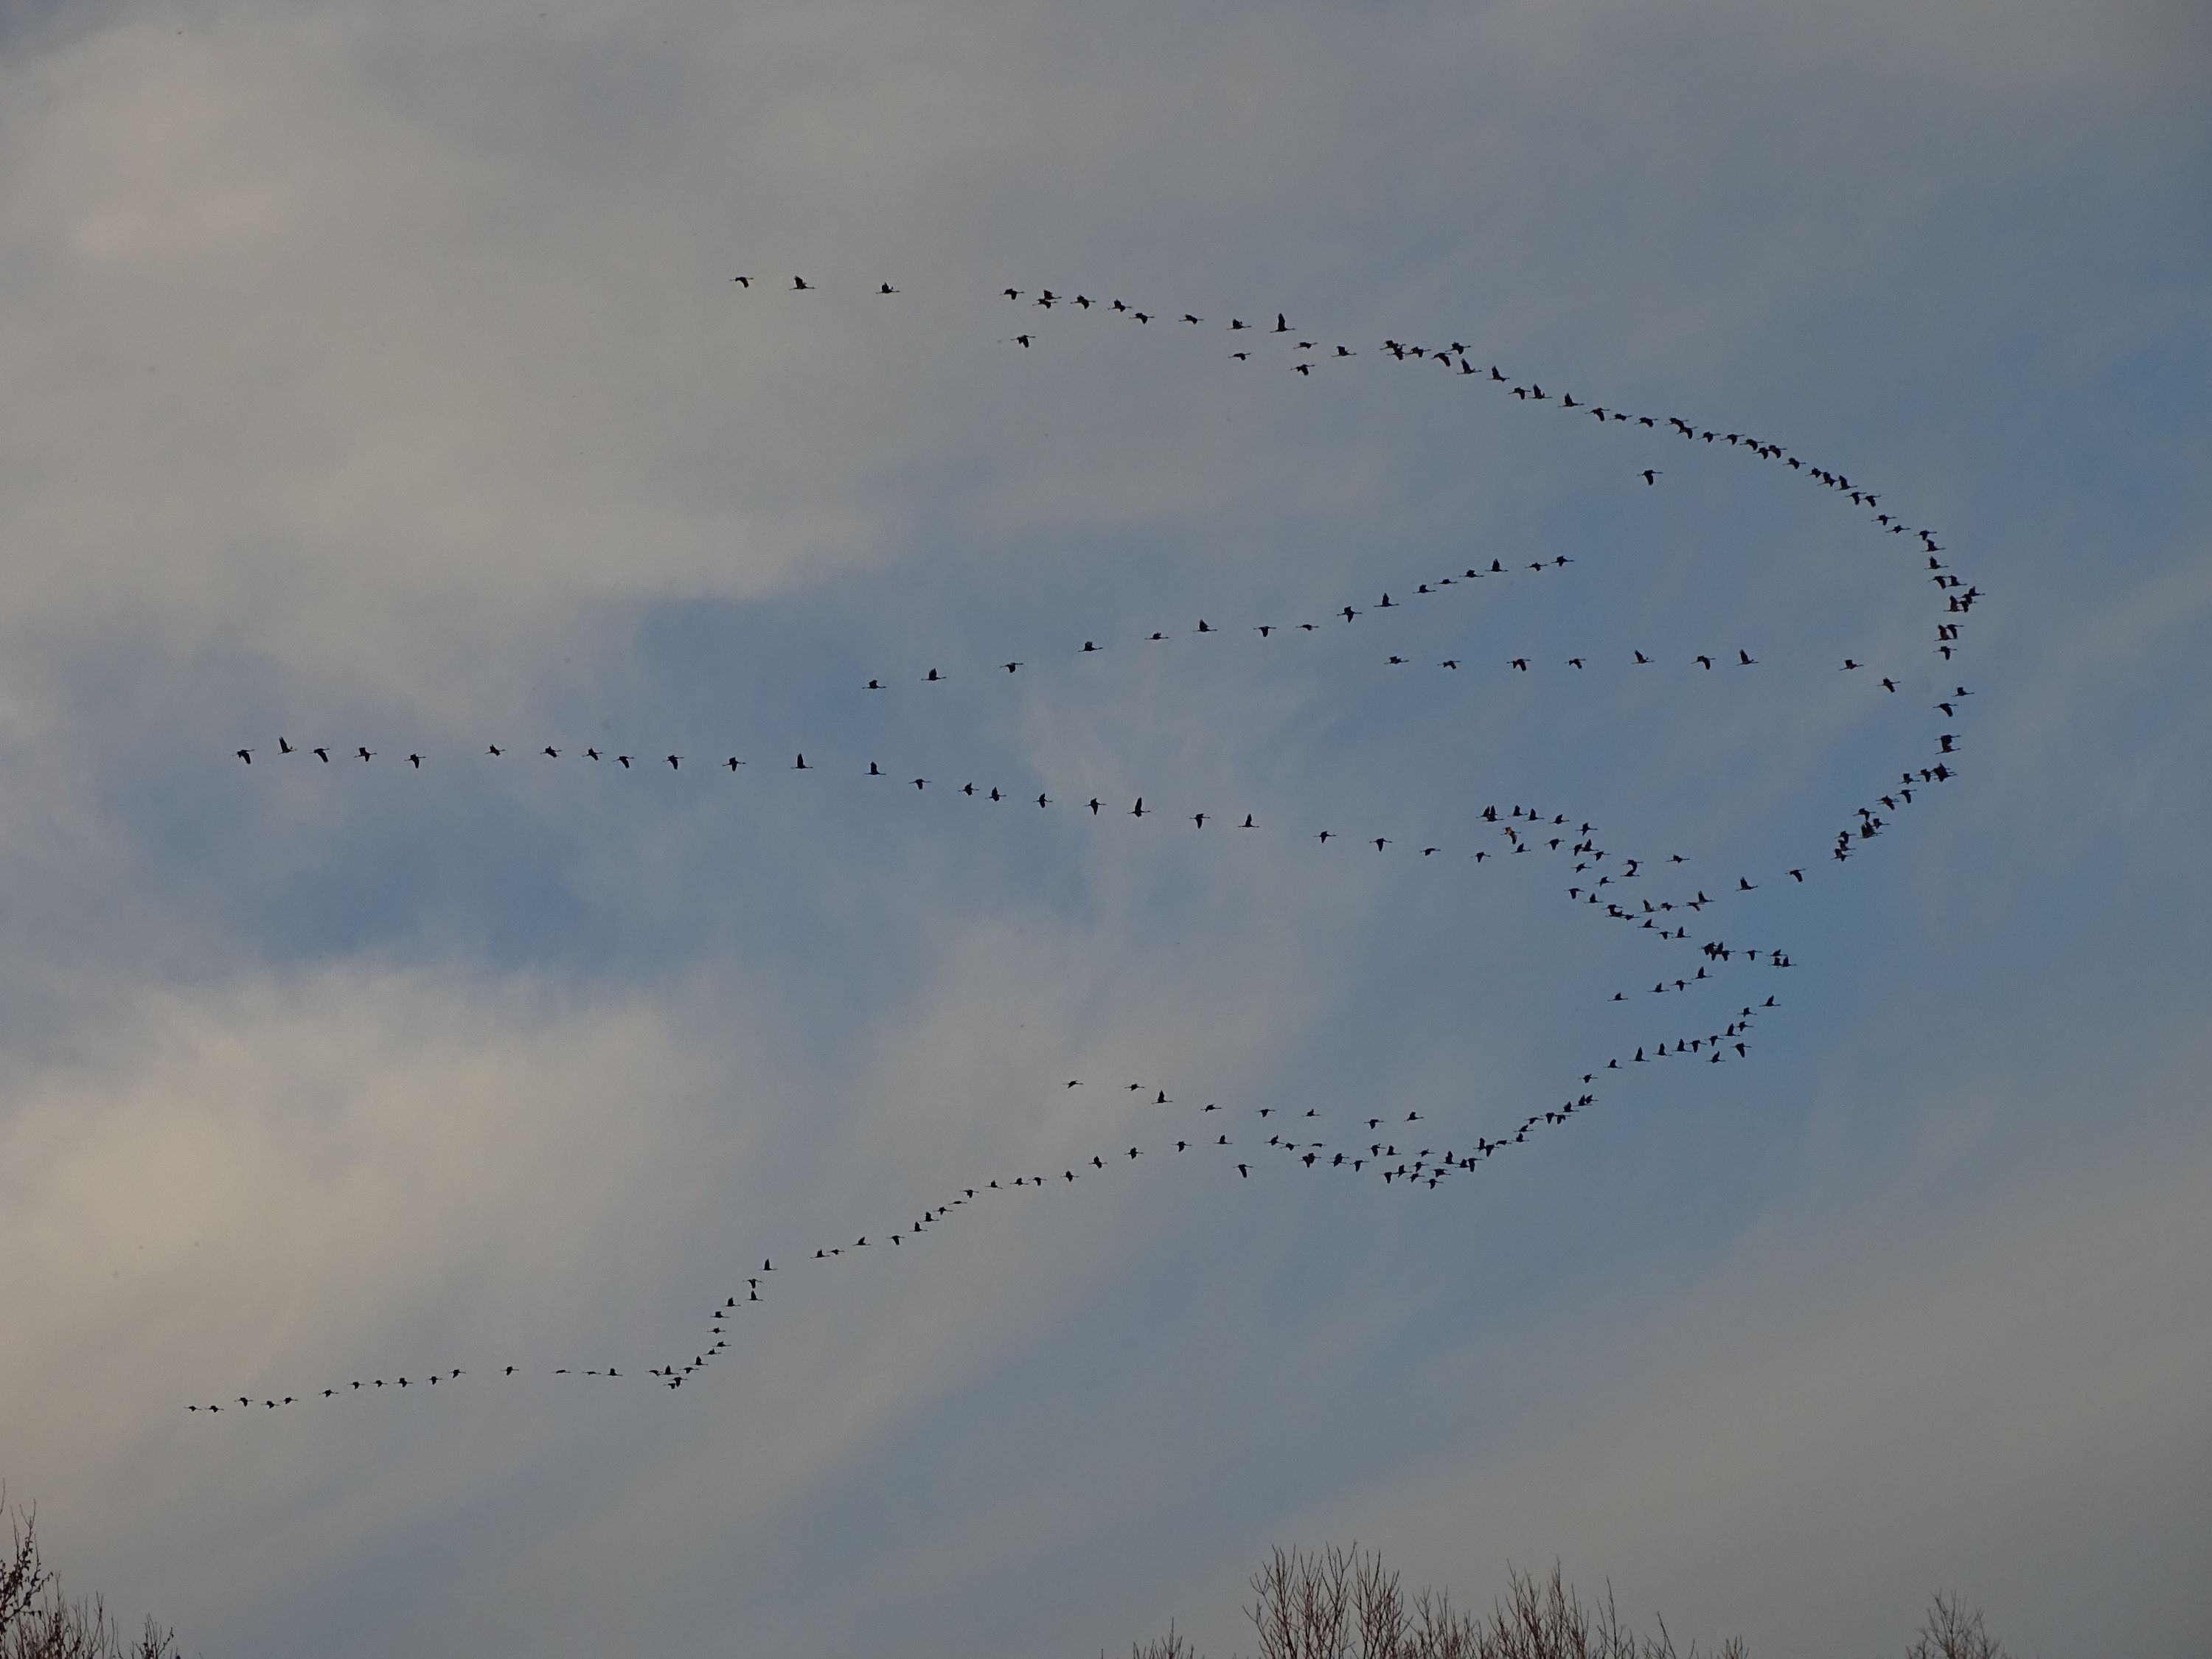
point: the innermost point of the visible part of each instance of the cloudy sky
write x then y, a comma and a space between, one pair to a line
376, 377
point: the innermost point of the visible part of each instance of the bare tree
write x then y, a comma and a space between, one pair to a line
1950, 1632
1171, 1646
23, 1577
38, 1622
1547, 1620
1341, 1602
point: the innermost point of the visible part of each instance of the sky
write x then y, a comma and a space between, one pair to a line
378, 379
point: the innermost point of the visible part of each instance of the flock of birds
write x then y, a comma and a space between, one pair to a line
1410, 1154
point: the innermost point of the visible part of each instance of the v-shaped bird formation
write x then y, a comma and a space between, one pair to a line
1424, 1150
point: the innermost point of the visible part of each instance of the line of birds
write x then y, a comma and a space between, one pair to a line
325, 752
285, 748
1454, 357
1421, 1168
1409, 1169
1520, 831
1648, 914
